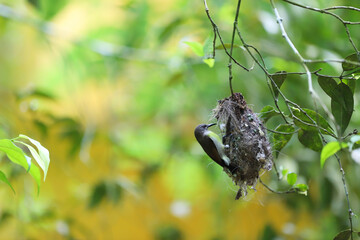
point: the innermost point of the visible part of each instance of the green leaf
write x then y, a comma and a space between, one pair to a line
351, 83
268, 112
291, 178
35, 173
310, 139
35, 3
327, 84
35, 93
5, 180
73, 131
48, 9
350, 66
343, 235
282, 137
278, 78
269, 232
41, 126
28, 160
196, 47
342, 105
98, 194
169, 29
168, 232
174, 79
301, 187
113, 192
105, 190
209, 61
227, 46
208, 51
314, 116
356, 76
33, 152
208, 47
284, 172
51, 8
14, 153
42, 158
148, 171
330, 149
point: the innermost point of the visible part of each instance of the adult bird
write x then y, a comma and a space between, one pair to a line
212, 145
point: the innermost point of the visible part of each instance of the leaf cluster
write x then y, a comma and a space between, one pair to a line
19, 157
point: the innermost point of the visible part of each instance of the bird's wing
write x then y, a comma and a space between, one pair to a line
219, 146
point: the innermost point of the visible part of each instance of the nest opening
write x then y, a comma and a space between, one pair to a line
245, 140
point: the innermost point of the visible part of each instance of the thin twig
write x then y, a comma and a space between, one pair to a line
325, 11
287, 101
313, 93
315, 97
347, 76
342, 7
217, 32
273, 86
276, 169
296, 73
232, 45
291, 190
354, 132
350, 212
283, 133
331, 60
267, 74
311, 90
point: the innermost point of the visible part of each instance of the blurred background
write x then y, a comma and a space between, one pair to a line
110, 88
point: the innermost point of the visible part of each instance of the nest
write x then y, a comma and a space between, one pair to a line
245, 141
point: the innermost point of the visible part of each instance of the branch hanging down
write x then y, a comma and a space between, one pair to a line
217, 32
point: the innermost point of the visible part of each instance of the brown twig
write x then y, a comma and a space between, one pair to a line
273, 86
325, 11
232, 45
217, 32
291, 190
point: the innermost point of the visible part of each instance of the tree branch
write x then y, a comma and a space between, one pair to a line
232, 45
217, 32
325, 11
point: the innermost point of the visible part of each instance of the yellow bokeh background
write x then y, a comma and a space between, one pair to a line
124, 96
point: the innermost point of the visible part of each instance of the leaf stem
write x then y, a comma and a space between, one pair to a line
291, 190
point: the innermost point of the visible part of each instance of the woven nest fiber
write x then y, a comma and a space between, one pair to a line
245, 140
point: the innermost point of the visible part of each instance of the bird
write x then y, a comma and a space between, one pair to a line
212, 145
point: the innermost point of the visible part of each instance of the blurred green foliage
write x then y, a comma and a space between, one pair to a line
114, 93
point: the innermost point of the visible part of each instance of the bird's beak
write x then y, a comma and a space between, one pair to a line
210, 125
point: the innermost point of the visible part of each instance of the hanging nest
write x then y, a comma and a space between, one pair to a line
245, 141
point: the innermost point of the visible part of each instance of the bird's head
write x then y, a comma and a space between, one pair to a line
200, 129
